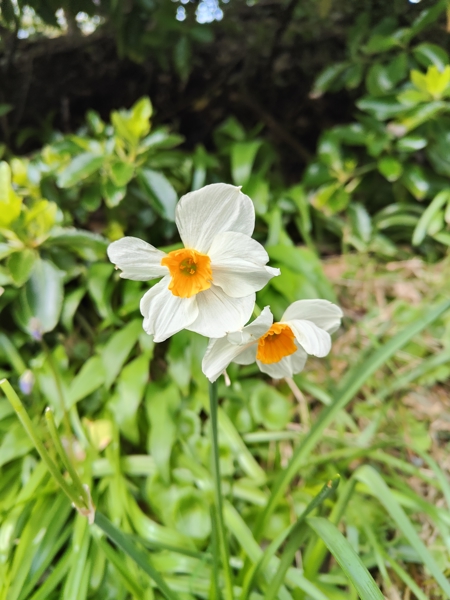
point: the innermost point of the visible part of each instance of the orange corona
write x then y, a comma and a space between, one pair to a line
190, 270
277, 343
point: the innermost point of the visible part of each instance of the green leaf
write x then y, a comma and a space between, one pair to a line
416, 181
79, 168
88, 245
421, 114
373, 480
327, 78
10, 203
140, 558
134, 124
346, 391
161, 191
41, 299
20, 265
91, 376
269, 407
121, 173
242, 158
390, 167
381, 108
296, 536
430, 54
117, 349
128, 395
112, 194
422, 227
347, 558
411, 143
381, 79
428, 16
191, 515
161, 405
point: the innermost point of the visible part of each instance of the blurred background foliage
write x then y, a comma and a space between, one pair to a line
333, 117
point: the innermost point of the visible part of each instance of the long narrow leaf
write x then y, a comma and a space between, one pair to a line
139, 557
347, 558
378, 487
296, 538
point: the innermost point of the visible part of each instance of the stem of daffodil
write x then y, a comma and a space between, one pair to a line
29, 428
213, 406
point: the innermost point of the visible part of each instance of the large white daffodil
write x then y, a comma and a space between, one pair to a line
280, 349
208, 286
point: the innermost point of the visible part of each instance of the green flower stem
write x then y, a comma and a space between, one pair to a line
221, 537
63, 455
29, 428
140, 558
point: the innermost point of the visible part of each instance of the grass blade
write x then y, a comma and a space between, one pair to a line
347, 558
349, 387
296, 537
139, 557
380, 490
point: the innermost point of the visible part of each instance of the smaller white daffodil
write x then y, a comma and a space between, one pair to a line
279, 349
209, 285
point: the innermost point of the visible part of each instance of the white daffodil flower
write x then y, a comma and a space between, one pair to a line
209, 286
280, 349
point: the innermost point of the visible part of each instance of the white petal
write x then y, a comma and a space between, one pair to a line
238, 264
215, 208
165, 314
218, 356
256, 329
313, 339
323, 313
287, 366
137, 259
248, 355
218, 313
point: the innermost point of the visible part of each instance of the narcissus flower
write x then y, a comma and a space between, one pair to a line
208, 286
280, 349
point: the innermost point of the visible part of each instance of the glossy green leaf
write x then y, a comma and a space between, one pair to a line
121, 173
242, 158
423, 226
91, 376
128, 395
81, 167
112, 193
41, 299
10, 203
390, 167
327, 78
161, 405
20, 265
431, 54
415, 180
161, 192
117, 349
411, 143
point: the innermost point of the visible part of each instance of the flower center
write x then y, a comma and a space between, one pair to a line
190, 270
277, 343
